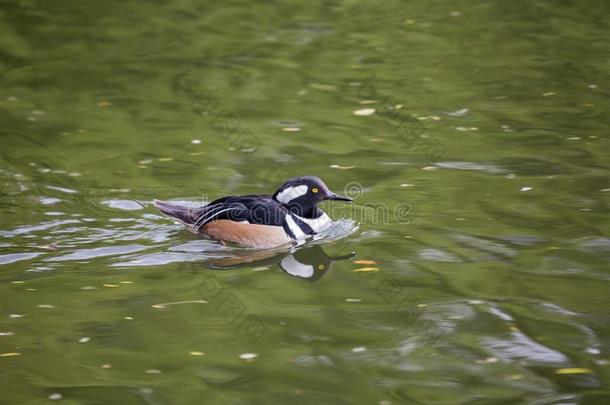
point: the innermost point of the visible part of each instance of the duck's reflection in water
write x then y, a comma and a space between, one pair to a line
309, 263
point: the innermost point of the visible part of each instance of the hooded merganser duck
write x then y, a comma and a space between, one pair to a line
261, 221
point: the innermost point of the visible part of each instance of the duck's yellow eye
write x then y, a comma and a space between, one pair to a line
314, 190
321, 267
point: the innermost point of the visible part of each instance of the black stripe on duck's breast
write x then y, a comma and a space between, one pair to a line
246, 234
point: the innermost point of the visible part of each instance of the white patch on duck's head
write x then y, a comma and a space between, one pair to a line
291, 193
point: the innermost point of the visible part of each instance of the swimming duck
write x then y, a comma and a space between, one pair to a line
261, 221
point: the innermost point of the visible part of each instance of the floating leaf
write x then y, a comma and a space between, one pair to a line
162, 306
248, 356
487, 360
11, 354
196, 353
574, 370
323, 87
341, 167
367, 269
364, 262
364, 112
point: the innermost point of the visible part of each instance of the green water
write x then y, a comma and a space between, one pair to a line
472, 134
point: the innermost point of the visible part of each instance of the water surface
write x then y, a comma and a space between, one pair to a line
472, 135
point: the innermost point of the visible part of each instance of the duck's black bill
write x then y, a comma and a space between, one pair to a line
337, 197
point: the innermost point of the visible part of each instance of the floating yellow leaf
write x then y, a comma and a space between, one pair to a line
165, 159
341, 167
110, 285
125, 282
196, 353
574, 370
365, 102
11, 354
364, 262
291, 129
367, 269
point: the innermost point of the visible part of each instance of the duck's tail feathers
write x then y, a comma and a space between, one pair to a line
187, 215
